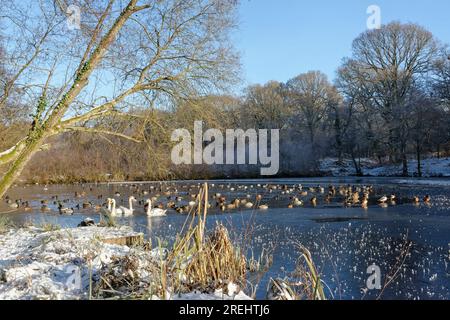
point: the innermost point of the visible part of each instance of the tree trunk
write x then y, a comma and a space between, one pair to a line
32, 145
356, 165
419, 165
37, 135
338, 136
404, 165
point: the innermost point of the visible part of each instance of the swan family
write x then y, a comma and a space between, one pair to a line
126, 212
121, 211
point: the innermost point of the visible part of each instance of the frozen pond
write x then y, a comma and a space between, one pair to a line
344, 241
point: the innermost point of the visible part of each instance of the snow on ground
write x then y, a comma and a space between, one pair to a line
35, 264
431, 167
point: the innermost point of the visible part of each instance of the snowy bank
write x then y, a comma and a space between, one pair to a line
431, 167
66, 264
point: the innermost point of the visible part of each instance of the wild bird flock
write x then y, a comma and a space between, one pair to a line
157, 200
343, 251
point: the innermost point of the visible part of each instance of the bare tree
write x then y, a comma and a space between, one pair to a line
130, 56
311, 96
387, 63
264, 106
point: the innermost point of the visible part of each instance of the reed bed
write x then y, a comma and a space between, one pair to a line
201, 261
5, 224
304, 283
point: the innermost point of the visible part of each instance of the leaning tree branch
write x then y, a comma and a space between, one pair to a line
100, 131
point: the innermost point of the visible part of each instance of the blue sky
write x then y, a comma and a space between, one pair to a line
279, 39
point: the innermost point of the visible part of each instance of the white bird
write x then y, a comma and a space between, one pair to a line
249, 205
121, 210
127, 211
192, 203
297, 202
154, 212
383, 199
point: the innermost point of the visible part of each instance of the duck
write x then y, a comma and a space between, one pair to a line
88, 222
263, 207
45, 208
364, 203
427, 199
154, 212
297, 203
15, 205
26, 206
231, 206
86, 205
192, 203
313, 201
63, 210
248, 205
416, 199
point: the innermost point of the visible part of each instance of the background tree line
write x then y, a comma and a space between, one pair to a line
390, 102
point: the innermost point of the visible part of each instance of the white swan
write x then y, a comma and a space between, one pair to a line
112, 207
127, 211
154, 212
122, 210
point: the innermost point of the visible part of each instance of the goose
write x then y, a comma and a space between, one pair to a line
154, 212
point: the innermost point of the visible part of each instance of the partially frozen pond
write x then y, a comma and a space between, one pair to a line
344, 241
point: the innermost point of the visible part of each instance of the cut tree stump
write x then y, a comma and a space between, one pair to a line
130, 241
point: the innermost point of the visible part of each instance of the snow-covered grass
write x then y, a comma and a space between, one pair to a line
431, 167
72, 263
36, 264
